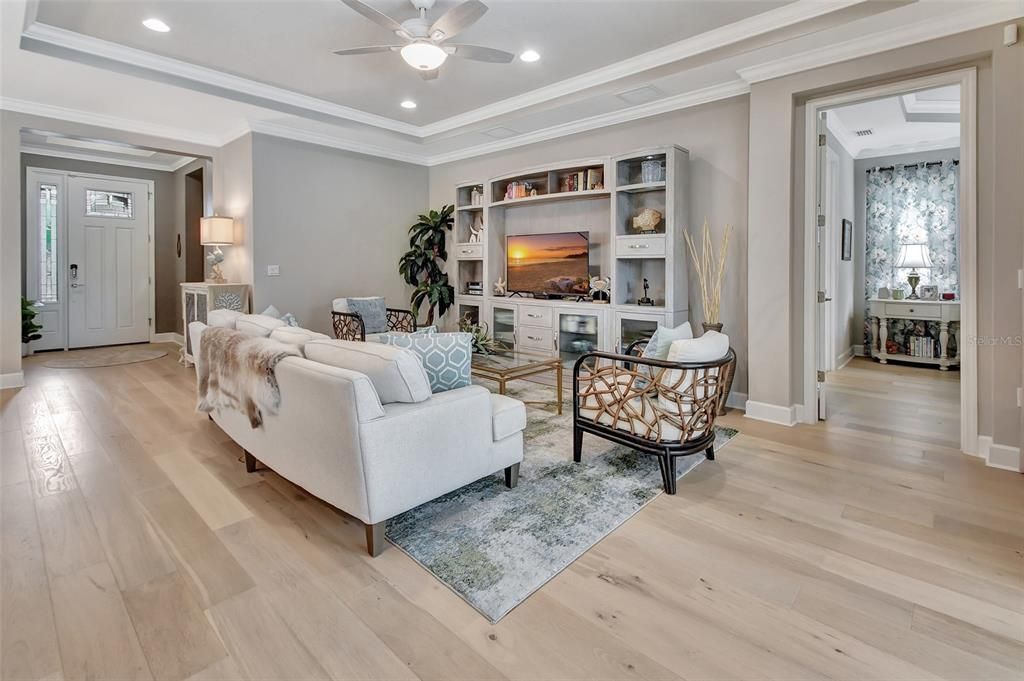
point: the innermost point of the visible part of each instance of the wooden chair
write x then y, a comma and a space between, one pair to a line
666, 409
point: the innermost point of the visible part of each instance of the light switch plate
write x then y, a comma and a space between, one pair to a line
273, 270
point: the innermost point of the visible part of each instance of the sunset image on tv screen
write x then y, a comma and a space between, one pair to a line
552, 263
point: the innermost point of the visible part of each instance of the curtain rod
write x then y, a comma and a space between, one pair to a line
956, 162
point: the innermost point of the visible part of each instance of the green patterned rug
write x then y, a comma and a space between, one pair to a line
495, 546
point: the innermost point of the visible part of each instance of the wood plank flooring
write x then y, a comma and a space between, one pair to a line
134, 545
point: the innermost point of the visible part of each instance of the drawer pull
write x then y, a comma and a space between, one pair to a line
639, 245
534, 316
535, 338
911, 310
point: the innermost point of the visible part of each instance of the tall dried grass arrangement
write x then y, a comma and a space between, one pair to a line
710, 270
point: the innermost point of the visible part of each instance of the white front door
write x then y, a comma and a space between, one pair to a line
107, 267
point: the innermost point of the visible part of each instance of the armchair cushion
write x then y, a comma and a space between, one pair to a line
396, 373
446, 357
257, 324
372, 310
508, 416
660, 343
296, 335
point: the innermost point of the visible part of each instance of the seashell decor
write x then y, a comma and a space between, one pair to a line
647, 220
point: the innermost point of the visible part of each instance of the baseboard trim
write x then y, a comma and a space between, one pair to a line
14, 379
771, 413
844, 358
167, 337
736, 400
1003, 457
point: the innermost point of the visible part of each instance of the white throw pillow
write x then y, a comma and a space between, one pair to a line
257, 324
396, 373
296, 335
661, 341
223, 318
708, 348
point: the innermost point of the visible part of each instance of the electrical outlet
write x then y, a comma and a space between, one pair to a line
1020, 397
273, 270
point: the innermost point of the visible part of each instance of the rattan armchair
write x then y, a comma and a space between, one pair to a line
666, 409
350, 326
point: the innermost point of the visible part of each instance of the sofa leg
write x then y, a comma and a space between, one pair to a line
577, 444
512, 476
250, 462
668, 472
710, 453
375, 538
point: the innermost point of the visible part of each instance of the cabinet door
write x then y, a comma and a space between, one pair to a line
577, 332
502, 319
630, 327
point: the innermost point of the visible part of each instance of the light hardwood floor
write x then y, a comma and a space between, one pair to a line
134, 545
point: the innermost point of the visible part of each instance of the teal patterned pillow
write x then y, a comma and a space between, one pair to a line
445, 356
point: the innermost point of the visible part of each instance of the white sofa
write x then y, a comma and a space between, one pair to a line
358, 427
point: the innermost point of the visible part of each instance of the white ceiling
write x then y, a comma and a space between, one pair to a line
62, 73
920, 121
49, 143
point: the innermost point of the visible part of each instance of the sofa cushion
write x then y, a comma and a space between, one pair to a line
296, 335
508, 416
373, 312
257, 324
662, 340
445, 356
224, 318
396, 373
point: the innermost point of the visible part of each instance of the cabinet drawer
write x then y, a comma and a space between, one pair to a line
535, 315
640, 246
535, 338
913, 310
469, 251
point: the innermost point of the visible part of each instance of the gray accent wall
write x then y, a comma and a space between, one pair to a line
334, 222
715, 135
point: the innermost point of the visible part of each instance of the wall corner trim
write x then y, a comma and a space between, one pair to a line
1003, 457
772, 413
168, 337
14, 379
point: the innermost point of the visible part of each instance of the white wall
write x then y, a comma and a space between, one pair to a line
715, 135
845, 334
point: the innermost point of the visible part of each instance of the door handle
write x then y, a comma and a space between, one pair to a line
74, 276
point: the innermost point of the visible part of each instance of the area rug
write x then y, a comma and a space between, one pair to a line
494, 546
102, 357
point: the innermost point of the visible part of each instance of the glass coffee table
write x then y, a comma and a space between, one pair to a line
505, 365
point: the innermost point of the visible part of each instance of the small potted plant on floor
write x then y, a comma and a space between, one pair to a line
29, 329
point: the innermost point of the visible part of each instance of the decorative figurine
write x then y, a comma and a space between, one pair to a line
215, 258
499, 287
476, 229
476, 197
646, 301
647, 220
599, 289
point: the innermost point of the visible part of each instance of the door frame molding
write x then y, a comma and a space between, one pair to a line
31, 247
967, 79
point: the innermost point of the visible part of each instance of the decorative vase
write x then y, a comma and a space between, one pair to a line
728, 371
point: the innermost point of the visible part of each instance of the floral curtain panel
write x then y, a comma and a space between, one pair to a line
912, 204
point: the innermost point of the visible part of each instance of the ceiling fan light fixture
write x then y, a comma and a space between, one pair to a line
423, 56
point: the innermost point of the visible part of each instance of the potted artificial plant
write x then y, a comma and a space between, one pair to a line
422, 266
29, 329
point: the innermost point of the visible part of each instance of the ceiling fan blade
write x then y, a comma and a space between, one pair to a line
430, 75
373, 15
457, 19
367, 50
477, 53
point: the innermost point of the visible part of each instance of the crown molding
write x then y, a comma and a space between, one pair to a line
334, 142
92, 158
915, 148
958, 22
685, 100
105, 121
766, 22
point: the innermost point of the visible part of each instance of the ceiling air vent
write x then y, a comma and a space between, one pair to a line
864, 133
640, 95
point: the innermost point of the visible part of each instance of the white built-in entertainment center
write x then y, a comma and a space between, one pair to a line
605, 209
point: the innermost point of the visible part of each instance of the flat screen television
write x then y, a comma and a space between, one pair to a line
557, 263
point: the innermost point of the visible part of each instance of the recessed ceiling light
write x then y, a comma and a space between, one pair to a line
408, 104
530, 56
156, 25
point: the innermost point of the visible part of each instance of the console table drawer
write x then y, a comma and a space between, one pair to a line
535, 315
535, 338
469, 251
913, 311
640, 246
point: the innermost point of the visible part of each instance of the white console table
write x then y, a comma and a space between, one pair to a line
880, 311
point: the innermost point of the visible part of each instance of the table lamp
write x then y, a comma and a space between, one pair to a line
216, 231
914, 256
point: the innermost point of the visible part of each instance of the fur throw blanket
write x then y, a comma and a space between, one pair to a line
237, 372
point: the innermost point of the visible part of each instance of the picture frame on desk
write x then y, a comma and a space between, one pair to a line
928, 292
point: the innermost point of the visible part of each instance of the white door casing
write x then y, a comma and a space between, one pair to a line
823, 292
45, 277
108, 264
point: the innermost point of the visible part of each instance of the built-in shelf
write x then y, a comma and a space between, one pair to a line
653, 309
480, 207
555, 196
641, 187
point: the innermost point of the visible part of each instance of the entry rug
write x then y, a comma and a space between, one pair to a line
495, 546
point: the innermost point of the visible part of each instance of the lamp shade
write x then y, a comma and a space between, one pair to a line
914, 255
216, 230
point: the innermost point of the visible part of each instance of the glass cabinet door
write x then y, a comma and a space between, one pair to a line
503, 325
578, 333
635, 328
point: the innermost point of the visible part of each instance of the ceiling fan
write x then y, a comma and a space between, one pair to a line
426, 46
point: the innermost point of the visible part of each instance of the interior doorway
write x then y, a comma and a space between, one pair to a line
194, 210
890, 253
